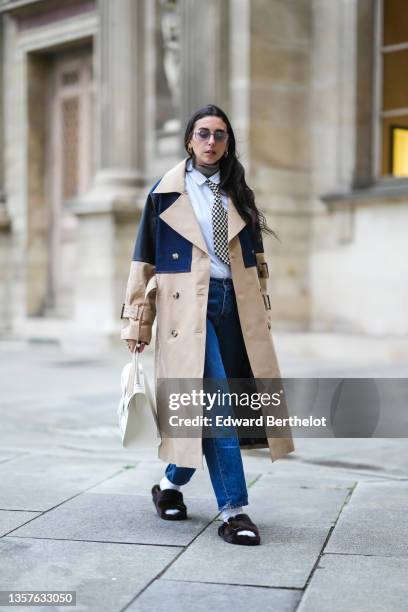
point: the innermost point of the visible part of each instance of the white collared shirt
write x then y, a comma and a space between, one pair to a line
202, 200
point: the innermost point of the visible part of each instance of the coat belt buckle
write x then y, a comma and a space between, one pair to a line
267, 301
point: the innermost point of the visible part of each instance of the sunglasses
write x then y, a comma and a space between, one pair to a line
204, 134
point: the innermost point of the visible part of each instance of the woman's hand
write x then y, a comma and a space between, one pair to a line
132, 344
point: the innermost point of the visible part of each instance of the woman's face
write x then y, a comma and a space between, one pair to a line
209, 139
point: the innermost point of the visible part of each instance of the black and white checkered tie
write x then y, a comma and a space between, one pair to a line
219, 218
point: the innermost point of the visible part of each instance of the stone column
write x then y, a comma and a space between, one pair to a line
109, 211
4, 217
205, 56
239, 79
121, 84
279, 147
2, 90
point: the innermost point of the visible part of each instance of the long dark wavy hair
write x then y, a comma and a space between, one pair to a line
232, 173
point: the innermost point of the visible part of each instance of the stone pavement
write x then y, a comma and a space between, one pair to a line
76, 512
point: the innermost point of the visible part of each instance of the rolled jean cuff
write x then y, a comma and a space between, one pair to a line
178, 476
229, 506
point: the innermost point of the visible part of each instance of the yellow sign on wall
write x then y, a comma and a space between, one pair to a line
400, 151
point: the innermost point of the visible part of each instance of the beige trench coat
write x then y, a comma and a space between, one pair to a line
181, 322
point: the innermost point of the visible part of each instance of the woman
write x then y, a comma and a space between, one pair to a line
199, 268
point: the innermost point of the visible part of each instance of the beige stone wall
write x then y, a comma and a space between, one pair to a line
25, 249
358, 252
358, 277
296, 79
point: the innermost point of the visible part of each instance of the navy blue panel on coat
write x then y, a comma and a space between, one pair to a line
173, 252
146, 235
145, 245
248, 244
259, 247
164, 200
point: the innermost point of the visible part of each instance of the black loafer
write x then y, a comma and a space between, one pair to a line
241, 522
169, 499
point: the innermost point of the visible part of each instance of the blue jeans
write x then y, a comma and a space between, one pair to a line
225, 357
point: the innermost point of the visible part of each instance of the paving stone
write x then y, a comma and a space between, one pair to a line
300, 467
271, 504
374, 522
39, 482
105, 576
294, 508
349, 582
8, 456
139, 481
390, 495
365, 531
348, 448
47, 423
201, 597
284, 558
307, 481
118, 518
342, 457
386, 456
10, 520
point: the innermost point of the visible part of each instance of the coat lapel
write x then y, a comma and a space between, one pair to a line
181, 217
180, 214
235, 221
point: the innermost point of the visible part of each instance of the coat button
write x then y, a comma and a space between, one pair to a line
174, 333
176, 295
175, 255
269, 326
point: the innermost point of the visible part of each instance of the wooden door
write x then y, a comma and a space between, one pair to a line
70, 169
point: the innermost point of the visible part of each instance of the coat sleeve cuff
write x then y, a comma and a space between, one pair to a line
130, 312
137, 330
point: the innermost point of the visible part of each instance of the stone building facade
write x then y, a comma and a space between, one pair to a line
94, 98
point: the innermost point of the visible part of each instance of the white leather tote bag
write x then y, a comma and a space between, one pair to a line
137, 416
138, 423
